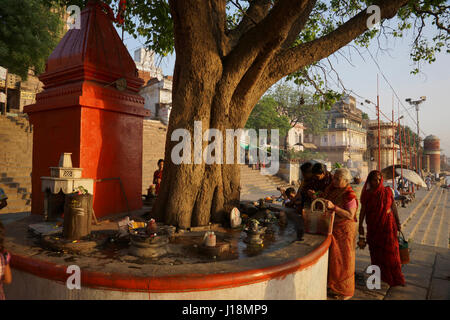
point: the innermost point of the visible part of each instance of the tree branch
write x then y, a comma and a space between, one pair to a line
257, 11
435, 15
299, 24
189, 30
293, 59
247, 62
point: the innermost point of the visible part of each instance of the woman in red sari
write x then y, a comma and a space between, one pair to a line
379, 209
341, 258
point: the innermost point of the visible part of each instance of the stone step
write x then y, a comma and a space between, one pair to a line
443, 235
257, 190
10, 159
8, 129
428, 232
19, 179
259, 186
262, 185
9, 209
263, 179
422, 211
15, 164
255, 181
13, 208
19, 202
14, 184
266, 188
11, 190
14, 195
11, 173
255, 187
407, 215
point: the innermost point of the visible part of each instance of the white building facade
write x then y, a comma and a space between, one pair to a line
295, 137
157, 92
158, 98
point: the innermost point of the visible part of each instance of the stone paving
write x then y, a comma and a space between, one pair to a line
425, 225
427, 276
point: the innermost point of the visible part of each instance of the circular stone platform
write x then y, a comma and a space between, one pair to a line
296, 271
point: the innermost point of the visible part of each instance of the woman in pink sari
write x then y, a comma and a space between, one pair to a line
341, 258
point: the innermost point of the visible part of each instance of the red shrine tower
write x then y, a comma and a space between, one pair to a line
90, 107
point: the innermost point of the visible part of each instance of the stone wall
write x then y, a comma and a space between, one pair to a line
289, 171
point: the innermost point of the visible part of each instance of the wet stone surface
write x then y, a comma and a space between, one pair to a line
103, 247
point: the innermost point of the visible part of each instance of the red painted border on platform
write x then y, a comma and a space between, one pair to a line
175, 283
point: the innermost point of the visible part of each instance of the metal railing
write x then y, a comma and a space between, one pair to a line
346, 126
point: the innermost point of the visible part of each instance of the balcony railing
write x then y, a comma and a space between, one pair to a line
344, 144
347, 126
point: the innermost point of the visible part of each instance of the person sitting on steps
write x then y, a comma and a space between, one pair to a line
289, 196
157, 176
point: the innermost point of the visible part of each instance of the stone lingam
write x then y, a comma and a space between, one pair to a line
213, 246
254, 232
150, 242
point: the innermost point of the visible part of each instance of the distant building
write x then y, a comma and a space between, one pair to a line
157, 90
145, 63
16, 92
294, 139
432, 154
344, 137
158, 98
388, 148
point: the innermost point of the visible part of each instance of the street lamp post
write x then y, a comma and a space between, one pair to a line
401, 151
417, 103
393, 148
379, 128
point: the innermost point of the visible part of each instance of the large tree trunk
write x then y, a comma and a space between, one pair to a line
195, 194
219, 76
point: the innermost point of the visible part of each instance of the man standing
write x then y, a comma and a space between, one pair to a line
428, 182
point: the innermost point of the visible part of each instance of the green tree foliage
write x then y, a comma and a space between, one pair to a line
152, 20
299, 107
301, 156
408, 136
365, 116
29, 31
265, 116
149, 19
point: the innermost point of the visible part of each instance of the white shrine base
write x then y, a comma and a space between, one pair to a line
306, 284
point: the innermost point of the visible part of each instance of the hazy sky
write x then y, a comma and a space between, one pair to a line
434, 83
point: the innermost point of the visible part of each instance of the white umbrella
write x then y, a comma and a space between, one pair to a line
411, 176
